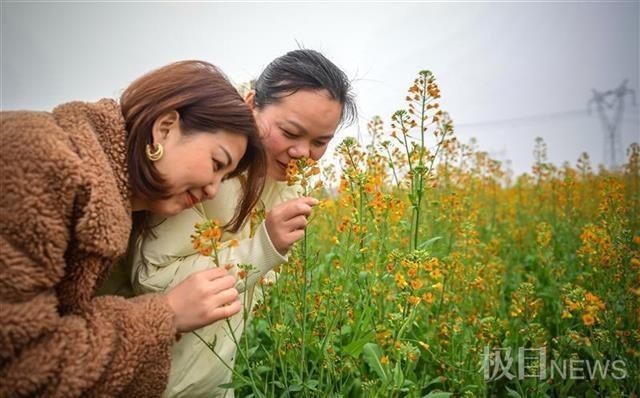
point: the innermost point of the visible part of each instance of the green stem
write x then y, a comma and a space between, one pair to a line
393, 169
304, 306
212, 349
254, 386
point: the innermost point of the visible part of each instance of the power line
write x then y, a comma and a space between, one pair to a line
530, 118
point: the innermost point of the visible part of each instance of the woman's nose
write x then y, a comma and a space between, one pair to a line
211, 190
300, 150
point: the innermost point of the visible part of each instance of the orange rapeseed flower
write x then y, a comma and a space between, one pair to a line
300, 170
588, 319
206, 239
428, 298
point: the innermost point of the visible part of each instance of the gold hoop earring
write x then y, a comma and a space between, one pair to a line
154, 152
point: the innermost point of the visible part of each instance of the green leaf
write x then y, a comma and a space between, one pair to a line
294, 388
251, 351
346, 329
567, 386
429, 243
513, 393
398, 376
408, 383
435, 380
438, 394
312, 384
371, 353
590, 394
355, 347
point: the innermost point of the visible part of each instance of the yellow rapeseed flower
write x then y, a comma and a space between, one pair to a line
400, 281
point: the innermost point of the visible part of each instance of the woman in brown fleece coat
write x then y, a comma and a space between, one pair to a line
72, 181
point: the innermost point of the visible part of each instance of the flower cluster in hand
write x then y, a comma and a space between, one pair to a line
207, 241
206, 238
299, 171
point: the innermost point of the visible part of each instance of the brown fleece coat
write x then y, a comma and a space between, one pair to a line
65, 220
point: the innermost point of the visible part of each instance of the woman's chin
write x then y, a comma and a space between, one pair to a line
173, 212
167, 208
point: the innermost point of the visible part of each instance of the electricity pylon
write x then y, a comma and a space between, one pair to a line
604, 101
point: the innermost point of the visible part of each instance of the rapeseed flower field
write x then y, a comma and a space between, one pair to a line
432, 271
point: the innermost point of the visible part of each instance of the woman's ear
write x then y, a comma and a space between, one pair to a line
164, 125
249, 99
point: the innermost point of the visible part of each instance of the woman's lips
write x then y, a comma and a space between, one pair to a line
282, 165
191, 199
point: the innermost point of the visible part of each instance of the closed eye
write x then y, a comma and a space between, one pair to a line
320, 143
217, 165
288, 134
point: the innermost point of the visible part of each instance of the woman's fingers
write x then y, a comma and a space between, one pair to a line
225, 296
225, 311
299, 222
286, 218
296, 235
223, 283
213, 273
297, 207
203, 298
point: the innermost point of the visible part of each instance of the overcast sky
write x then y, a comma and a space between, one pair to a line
508, 72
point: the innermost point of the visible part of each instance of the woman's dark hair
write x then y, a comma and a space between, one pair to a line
305, 70
206, 102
